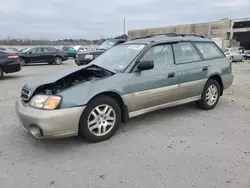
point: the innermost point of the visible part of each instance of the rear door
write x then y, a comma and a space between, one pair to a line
157, 86
192, 70
48, 54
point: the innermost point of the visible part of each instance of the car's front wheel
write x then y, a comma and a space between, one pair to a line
100, 119
210, 95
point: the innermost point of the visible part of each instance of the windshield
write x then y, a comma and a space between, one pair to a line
119, 57
25, 50
107, 45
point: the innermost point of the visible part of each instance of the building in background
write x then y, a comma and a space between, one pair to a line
226, 33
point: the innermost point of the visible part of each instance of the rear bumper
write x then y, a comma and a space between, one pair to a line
65, 58
12, 67
49, 124
227, 80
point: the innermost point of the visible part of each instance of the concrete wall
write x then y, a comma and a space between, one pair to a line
211, 29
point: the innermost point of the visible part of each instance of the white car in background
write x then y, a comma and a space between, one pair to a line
233, 54
80, 48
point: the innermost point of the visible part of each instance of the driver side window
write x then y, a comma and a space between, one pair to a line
161, 55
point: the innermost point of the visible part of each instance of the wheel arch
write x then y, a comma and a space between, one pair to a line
119, 100
218, 78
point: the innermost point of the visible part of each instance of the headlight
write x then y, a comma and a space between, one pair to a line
47, 102
76, 55
89, 56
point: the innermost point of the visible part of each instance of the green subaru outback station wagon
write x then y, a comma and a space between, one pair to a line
131, 79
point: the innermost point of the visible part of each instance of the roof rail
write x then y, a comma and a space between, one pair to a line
170, 35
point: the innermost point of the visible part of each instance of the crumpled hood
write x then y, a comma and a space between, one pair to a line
51, 77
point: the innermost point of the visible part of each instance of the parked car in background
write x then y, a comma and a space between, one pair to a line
13, 49
9, 63
234, 54
80, 48
22, 49
71, 52
2, 49
130, 79
85, 57
247, 54
42, 54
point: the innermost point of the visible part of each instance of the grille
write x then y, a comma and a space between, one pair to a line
25, 94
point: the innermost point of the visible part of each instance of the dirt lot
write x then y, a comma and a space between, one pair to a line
178, 147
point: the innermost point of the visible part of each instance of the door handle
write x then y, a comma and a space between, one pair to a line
205, 69
171, 75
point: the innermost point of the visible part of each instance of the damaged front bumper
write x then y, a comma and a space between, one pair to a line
49, 124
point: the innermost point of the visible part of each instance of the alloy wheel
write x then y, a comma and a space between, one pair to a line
58, 61
101, 120
211, 95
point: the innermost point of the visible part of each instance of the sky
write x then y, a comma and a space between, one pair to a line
92, 19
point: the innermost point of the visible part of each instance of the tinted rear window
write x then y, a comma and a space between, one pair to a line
209, 50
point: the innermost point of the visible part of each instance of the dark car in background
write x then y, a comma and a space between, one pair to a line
85, 57
42, 54
9, 63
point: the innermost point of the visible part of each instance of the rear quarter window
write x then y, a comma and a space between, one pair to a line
209, 50
185, 53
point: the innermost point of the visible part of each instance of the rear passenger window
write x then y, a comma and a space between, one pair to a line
185, 52
209, 50
162, 55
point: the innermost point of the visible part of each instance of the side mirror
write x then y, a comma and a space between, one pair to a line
145, 65
30, 52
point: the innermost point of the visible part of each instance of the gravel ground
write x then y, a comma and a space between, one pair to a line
177, 147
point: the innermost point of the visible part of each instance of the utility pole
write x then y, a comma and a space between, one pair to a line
124, 28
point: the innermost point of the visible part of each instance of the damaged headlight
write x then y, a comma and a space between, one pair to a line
47, 102
89, 56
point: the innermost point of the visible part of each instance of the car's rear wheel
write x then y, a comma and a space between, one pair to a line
22, 62
210, 95
231, 59
58, 60
1, 73
100, 119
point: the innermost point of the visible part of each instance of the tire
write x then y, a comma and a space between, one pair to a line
97, 134
1, 73
231, 59
242, 59
23, 62
58, 60
204, 103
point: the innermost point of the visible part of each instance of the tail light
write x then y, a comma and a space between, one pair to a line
228, 53
13, 57
65, 52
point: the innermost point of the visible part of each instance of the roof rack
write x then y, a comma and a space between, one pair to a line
170, 35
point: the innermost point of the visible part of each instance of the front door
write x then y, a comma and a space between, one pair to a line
192, 71
153, 87
33, 55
